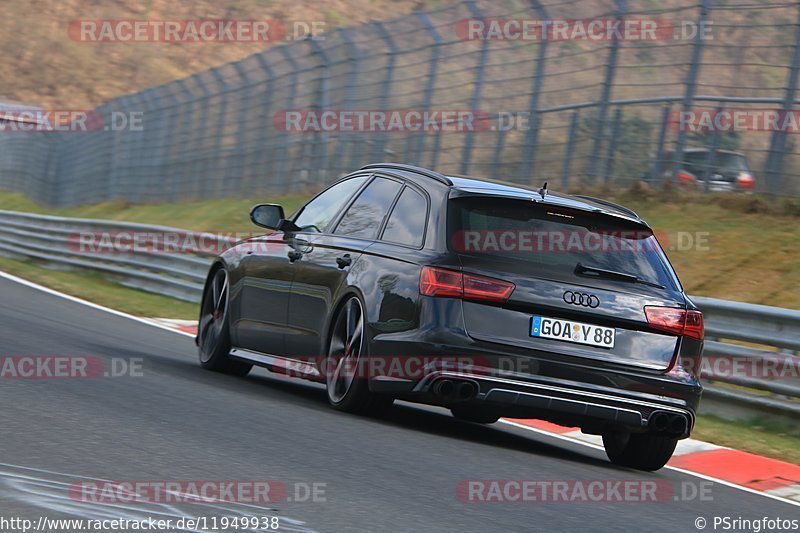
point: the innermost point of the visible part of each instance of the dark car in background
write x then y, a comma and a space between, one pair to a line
514, 301
728, 171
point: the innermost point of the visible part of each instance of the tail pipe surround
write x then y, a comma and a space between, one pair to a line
455, 390
664, 422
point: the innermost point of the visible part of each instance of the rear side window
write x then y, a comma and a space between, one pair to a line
318, 213
406, 224
364, 217
553, 241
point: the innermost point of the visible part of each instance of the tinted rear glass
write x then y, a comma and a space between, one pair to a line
695, 162
554, 240
365, 216
406, 224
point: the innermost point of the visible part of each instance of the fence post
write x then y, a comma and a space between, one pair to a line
430, 85
187, 114
569, 149
608, 82
612, 145
499, 145
199, 135
353, 143
774, 167
219, 167
242, 156
662, 136
286, 141
50, 193
711, 156
267, 155
148, 150
532, 135
167, 136
320, 161
469, 140
691, 83
120, 152
386, 92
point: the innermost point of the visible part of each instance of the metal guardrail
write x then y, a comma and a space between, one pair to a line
758, 346
762, 378
56, 240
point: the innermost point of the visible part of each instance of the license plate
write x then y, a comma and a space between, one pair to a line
571, 331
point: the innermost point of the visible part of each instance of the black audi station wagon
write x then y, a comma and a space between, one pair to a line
490, 299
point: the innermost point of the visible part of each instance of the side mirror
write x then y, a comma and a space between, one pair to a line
268, 216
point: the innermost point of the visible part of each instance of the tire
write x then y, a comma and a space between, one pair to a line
477, 415
213, 330
347, 390
642, 451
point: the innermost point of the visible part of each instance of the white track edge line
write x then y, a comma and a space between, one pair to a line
74, 299
668, 467
53, 292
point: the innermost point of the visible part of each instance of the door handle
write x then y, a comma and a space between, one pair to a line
344, 261
294, 255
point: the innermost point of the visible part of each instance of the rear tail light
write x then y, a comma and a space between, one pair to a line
453, 284
745, 181
677, 321
684, 178
441, 282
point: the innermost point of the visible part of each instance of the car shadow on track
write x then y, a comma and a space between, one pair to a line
424, 419
429, 420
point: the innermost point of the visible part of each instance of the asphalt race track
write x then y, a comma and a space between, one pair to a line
172, 420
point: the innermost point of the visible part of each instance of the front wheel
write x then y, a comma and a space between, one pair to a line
213, 333
642, 451
347, 386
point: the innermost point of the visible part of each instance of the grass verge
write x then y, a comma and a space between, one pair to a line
758, 436
95, 288
223, 215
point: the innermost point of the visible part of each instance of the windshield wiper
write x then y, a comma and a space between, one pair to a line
582, 270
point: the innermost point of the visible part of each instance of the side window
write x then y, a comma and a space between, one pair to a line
318, 213
365, 215
407, 222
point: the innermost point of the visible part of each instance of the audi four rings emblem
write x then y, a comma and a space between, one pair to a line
581, 298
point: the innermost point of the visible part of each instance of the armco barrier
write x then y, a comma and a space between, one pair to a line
760, 341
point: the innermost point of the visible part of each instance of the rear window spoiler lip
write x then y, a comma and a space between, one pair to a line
554, 201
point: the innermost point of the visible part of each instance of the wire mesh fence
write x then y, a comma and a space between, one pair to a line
567, 92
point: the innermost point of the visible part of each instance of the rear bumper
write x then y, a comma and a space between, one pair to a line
566, 403
520, 382
569, 393
563, 403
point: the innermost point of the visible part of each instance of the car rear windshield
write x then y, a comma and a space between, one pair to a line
557, 242
695, 162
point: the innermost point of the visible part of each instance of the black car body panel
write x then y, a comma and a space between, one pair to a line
286, 287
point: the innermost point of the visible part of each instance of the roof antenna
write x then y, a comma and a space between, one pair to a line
543, 190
